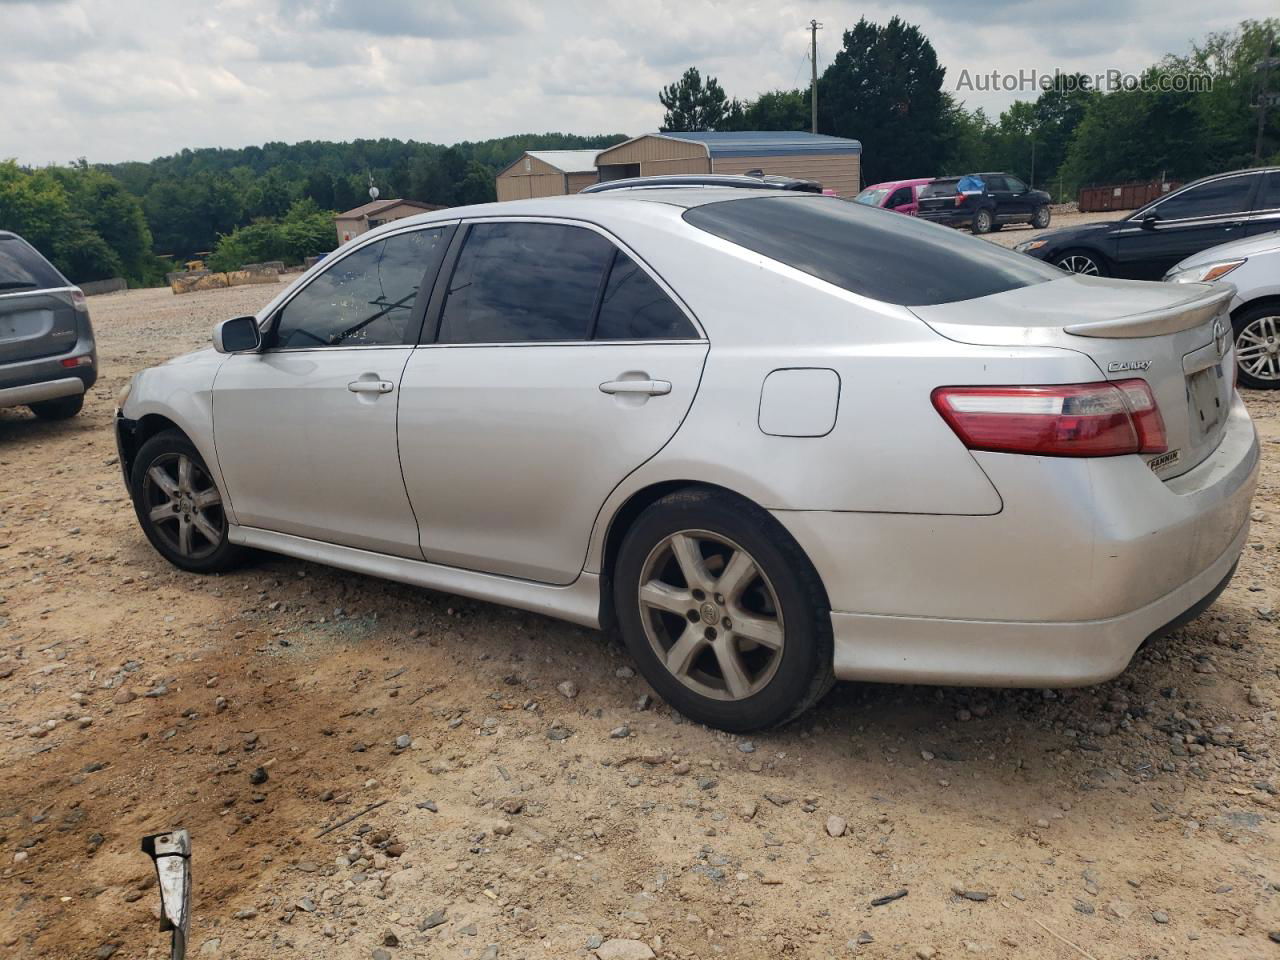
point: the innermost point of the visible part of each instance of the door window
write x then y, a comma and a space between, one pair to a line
1015, 185
366, 298
634, 307
900, 197
1269, 195
996, 183
1218, 198
518, 282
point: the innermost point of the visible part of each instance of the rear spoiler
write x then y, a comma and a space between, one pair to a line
1206, 303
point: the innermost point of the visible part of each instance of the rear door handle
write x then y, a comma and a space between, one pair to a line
649, 388
371, 386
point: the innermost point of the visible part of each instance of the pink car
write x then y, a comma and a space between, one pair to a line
897, 195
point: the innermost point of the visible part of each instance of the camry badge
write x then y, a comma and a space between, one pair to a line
1119, 366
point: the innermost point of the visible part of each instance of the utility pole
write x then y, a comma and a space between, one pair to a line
814, 27
1264, 93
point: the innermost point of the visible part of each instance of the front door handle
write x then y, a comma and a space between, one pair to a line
648, 388
371, 386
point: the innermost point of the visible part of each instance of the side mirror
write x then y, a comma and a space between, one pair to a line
1149, 221
171, 853
237, 335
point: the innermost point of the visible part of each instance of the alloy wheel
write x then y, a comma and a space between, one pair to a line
183, 506
711, 615
1258, 348
1041, 218
983, 223
1079, 263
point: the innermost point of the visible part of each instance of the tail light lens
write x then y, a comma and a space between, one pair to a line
1071, 420
959, 199
78, 300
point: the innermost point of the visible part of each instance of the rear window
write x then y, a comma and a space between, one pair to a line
873, 253
939, 188
22, 268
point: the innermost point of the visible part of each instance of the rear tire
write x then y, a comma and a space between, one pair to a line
63, 408
1257, 333
982, 222
180, 507
741, 641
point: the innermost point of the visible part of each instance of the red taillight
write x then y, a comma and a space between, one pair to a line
959, 199
84, 361
1070, 420
78, 300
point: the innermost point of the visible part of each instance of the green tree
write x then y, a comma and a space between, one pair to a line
884, 88
775, 110
691, 104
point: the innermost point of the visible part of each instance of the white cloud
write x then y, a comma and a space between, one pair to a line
133, 79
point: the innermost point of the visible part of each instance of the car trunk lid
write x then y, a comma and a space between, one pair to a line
1177, 337
36, 324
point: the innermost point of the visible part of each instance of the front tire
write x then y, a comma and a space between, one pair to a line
722, 611
1040, 218
1083, 262
180, 507
982, 221
1257, 332
63, 408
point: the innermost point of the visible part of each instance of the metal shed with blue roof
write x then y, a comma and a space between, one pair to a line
835, 162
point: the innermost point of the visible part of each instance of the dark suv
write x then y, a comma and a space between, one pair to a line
47, 354
983, 202
1143, 245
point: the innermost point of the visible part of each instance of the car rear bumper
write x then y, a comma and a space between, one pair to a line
1086, 559
47, 378
951, 218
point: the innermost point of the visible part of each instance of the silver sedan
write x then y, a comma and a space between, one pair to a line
777, 439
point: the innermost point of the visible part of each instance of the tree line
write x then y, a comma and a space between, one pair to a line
271, 202
884, 87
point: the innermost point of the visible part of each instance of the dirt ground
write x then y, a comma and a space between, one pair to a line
1136, 819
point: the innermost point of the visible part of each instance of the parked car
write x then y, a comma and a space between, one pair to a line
900, 196
1143, 245
983, 202
47, 354
730, 423
1252, 267
750, 181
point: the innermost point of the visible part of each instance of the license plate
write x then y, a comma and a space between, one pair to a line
1206, 399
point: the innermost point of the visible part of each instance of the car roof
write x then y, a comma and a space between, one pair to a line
910, 182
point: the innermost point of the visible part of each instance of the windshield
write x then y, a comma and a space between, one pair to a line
22, 268
872, 196
870, 252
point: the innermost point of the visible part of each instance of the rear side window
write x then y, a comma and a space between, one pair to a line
1269, 195
973, 185
634, 307
518, 282
872, 253
22, 268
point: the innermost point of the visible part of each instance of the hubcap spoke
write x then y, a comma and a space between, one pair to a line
184, 535
731, 667
689, 559
685, 650
663, 596
184, 475
737, 576
207, 529
767, 633
163, 481
207, 498
163, 512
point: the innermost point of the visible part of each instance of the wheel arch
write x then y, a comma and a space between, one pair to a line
630, 509
1268, 300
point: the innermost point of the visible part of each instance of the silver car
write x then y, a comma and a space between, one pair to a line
777, 439
1252, 267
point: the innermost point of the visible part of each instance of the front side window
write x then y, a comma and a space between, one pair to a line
634, 307
520, 282
366, 298
1015, 185
1269, 195
1219, 198
900, 196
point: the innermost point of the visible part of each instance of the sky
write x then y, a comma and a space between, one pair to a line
114, 80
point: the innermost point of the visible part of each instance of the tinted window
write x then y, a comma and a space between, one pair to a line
940, 188
971, 185
22, 268
1269, 195
1014, 184
883, 256
1219, 197
636, 308
993, 183
366, 298
900, 196
525, 281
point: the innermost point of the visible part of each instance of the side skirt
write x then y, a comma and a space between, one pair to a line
579, 602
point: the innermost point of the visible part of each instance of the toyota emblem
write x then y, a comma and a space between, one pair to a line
1220, 338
